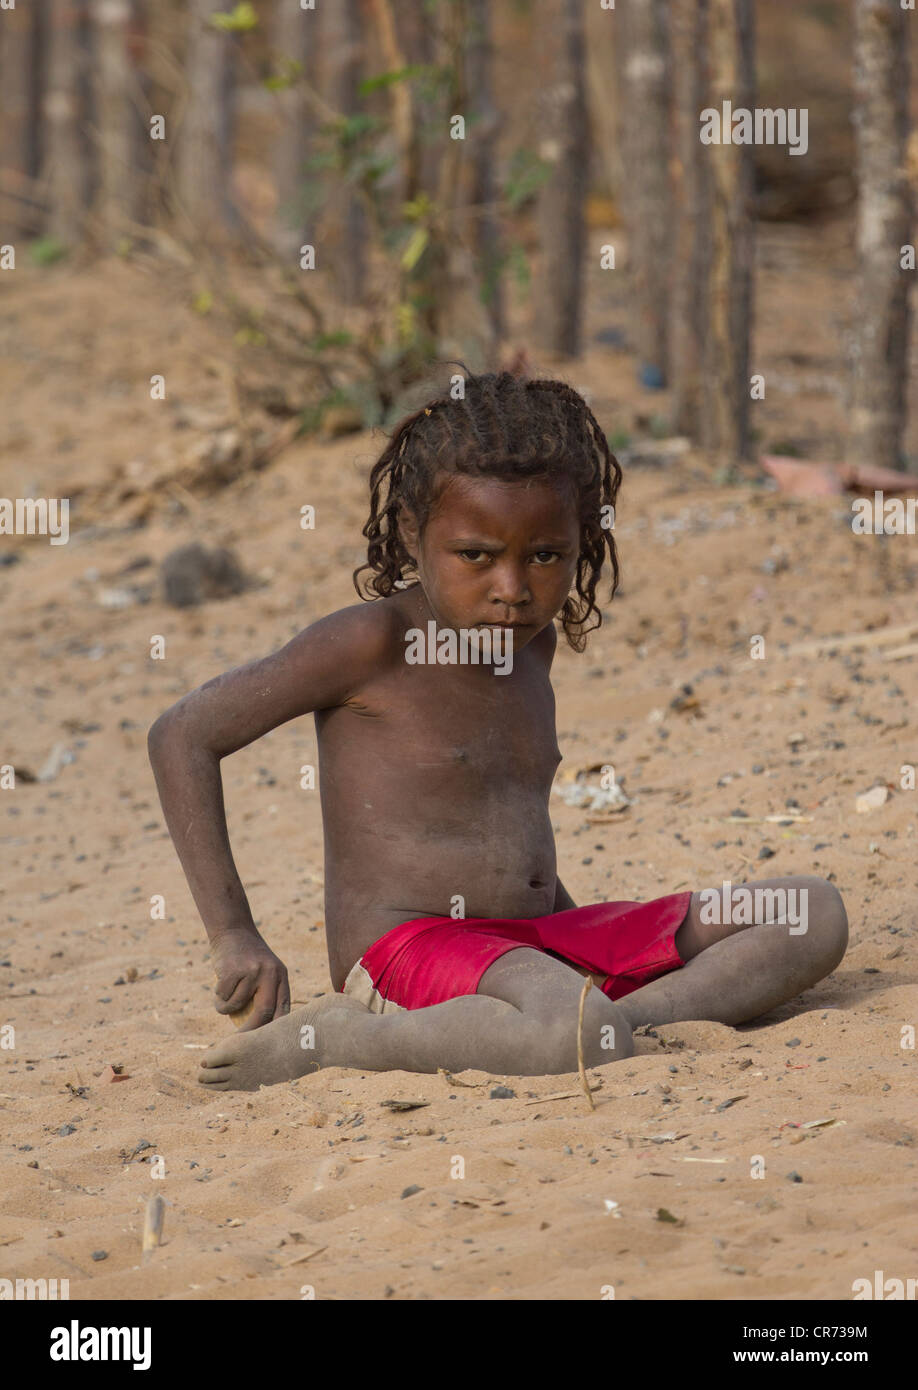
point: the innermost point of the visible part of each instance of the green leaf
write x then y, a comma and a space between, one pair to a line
415, 248
290, 70
388, 79
238, 21
337, 338
46, 250
526, 176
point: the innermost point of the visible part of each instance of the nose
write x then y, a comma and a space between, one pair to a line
509, 585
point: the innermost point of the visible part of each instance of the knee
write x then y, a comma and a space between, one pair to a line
827, 922
606, 1035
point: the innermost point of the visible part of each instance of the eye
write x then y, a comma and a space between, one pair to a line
474, 556
546, 557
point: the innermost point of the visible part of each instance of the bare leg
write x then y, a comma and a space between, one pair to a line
522, 1022
737, 972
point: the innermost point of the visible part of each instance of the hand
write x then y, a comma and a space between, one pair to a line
249, 973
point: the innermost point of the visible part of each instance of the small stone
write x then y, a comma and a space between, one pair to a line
766, 852
502, 1093
98, 1255
410, 1191
794, 1176
67, 1129
794, 1042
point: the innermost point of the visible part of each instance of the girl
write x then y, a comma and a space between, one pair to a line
452, 942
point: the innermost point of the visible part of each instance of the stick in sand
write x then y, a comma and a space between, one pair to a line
587, 986
153, 1224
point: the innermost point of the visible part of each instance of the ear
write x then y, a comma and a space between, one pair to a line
408, 530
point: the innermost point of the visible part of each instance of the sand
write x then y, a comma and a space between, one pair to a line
775, 1160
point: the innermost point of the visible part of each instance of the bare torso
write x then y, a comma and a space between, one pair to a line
435, 783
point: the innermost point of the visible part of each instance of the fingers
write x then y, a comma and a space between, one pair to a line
265, 992
264, 1007
232, 991
282, 1007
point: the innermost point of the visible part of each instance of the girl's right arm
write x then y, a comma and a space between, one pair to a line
325, 665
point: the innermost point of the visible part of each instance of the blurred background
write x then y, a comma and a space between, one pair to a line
317, 203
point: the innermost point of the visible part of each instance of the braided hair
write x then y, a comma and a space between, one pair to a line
506, 427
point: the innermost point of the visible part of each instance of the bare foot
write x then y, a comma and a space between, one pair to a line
280, 1051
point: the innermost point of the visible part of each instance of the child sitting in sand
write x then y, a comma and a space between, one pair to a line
452, 942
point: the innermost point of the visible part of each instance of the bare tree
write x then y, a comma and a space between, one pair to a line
22, 66
731, 239
65, 179
485, 123
345, 219
604, 38
416, 26
205, 140
120, 105
692, 196
880, 347
295, 37
564, 146
645, 129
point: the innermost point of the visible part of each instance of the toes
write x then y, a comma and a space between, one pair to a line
214, 1076
221, 1055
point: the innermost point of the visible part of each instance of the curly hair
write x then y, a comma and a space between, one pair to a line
506, 427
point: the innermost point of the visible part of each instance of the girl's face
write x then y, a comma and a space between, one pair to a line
496, 554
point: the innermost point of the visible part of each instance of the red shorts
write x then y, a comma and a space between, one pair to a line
431, 959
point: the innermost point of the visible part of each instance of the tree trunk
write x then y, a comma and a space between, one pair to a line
296, 37
692, 199
645, 110
880, 346
482, 136
565, 147
121, 129
603, 42
205, 140
731, 240
138, 194
413, 26
66, 175
345, 222
23, 32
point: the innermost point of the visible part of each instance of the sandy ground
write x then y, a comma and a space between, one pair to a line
316, 1185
